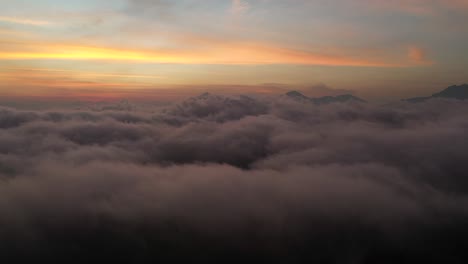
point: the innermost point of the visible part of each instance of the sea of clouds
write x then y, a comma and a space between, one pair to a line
236, 179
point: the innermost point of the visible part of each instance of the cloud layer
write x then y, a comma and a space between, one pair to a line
229, 179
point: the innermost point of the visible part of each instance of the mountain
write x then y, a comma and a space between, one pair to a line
459, 92
297, 96
338, 99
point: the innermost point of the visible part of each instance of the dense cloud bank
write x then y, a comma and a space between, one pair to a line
219, 179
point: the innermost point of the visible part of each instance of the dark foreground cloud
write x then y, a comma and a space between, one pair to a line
236, 179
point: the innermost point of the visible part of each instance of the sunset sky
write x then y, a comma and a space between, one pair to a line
125, 48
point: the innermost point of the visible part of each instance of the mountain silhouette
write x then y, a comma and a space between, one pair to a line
295, 95
459, 92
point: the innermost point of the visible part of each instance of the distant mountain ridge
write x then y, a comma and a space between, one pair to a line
459, 92
295, 95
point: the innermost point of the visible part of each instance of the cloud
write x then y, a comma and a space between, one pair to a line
220, 52
418, 55
217, 178
24, 21
239, 7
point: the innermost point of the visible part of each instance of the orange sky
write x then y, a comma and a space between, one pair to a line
379, 49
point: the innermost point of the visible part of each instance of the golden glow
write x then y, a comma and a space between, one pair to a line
236, 53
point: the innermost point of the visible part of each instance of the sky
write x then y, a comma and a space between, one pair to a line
167, 49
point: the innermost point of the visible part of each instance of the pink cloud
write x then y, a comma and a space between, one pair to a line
418, 55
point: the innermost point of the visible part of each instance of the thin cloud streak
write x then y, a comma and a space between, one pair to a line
44, 72
24, 21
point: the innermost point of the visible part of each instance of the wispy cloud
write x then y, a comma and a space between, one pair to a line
24, 21
418, 55
40, 71
239, 7
44, 81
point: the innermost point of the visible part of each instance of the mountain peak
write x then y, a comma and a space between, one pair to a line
325, 99
203, 95
454, 91
349, 97
459, 92
343, 98
295, 94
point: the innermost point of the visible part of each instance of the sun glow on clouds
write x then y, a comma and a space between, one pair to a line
56, 78
418, 55
218, 53
47, 72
